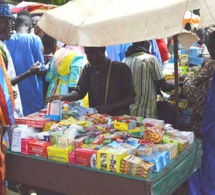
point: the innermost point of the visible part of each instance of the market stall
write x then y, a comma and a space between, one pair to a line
92, 153
78, 180
75, 179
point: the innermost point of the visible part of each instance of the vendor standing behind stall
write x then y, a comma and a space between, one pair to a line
94, 81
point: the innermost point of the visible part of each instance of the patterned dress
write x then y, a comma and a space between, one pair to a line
196, 90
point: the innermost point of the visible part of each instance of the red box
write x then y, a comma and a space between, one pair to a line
32, 122
24, 144
86, 157
38, 148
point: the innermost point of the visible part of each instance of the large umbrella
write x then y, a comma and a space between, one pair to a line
32, 7
109, 22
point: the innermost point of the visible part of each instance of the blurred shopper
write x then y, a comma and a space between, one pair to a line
117, 52
200, 91
25, 50
64, 72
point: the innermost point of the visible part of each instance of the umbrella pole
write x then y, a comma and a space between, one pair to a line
176, 78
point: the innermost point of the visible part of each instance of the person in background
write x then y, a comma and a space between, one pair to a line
162, 46
64, 72
36, 29
147, 77
24, 13
170, 45
8, 62
200, 91
25, 50
201, 43
114, 100
117, 52
6, 91
49, 45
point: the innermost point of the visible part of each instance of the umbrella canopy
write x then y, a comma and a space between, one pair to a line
32, 7
109, 22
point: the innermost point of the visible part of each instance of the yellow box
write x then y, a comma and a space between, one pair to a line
110, 158
136, 130
58, 153
120, 126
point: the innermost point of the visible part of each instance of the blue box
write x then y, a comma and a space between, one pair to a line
197, 61
156, 159
192, 51
166, 157
56, 118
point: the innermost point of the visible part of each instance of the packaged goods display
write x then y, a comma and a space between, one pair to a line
121, 144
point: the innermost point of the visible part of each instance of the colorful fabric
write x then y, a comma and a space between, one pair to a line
6, 96
155, 50
25, 50
64, 72
202, 182
18, 112
2, 164
196, 90
162, 46
145, 70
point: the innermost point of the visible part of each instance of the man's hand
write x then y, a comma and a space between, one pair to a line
103, 109
55, 97
35, 68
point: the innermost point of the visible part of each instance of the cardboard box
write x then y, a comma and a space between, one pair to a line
86, 157
124, 126
58, 153
110, 158
135, 166
192, 51
24, 145
156, 159
32, 122
38, 148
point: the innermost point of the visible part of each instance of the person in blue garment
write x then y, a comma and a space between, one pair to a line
25, 50
202, 182
117, 52
155, 50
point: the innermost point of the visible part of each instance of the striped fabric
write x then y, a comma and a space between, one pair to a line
145, 70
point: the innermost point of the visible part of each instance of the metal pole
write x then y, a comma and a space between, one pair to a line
176, 79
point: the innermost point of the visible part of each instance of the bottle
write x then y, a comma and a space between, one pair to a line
66, 106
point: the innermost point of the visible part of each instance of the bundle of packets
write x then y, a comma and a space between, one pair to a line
159, 159
153, 134
170, 147
180, 143
135, 166
182, 134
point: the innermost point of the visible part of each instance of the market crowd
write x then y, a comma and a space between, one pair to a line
116, 80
